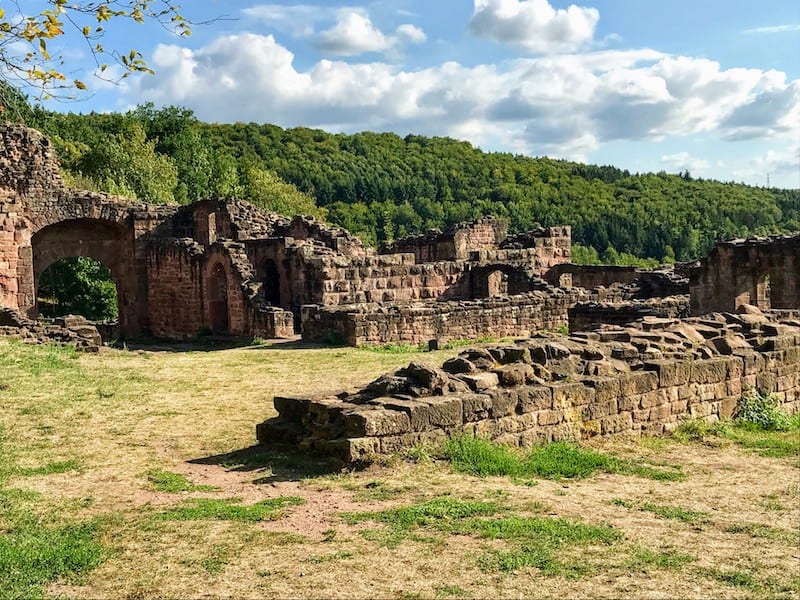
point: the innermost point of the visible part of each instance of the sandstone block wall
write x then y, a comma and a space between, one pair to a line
585, 316
518, 315
634, 380
454, 244
761, 271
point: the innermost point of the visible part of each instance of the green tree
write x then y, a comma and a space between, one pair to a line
127, 164
265, 189
80, 286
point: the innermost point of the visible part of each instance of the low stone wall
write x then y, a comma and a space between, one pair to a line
71, 330
589, 315
634, 380
506, 316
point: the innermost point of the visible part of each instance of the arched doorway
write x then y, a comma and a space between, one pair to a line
81, 242
271, 280
218, 299
79, 286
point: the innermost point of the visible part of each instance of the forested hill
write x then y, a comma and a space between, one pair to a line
382, 186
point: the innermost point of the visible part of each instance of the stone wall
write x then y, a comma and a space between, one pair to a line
552, 245
760, 271
507, 316
633, 380
585, 316
454, 244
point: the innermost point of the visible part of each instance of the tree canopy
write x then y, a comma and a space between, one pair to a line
382, 186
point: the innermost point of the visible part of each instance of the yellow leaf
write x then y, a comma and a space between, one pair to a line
86, 31
80, 85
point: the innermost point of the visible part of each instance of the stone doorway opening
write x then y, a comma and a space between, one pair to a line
80, 286
218, 300
271, 280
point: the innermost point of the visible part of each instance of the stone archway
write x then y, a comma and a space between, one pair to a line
107, 242
218, 316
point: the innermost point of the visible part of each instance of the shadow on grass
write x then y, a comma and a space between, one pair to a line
277, 463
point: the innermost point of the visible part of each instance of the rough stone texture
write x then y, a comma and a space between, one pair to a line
72, 330
764, 272
518, 315
588, 315
641, 379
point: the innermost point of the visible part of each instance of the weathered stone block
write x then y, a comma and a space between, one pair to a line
637, 383
362, 422
550, 417
566, 395
445, 411
479, 382
532, 399
504, 402
476, 406
670, 372
709, 371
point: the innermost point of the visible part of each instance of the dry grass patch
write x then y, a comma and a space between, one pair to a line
114, 440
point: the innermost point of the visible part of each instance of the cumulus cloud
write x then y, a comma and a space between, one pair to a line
354, 33
534, 25
565, 105
683, 161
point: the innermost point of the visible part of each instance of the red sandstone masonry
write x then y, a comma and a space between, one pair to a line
512, 394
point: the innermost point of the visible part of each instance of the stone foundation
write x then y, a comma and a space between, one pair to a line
585, 316
507, 316
643, 379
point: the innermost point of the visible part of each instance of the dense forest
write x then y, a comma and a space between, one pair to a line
382, 186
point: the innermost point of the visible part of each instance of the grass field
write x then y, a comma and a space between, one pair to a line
132, 474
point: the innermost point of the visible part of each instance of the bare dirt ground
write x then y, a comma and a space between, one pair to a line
729, 529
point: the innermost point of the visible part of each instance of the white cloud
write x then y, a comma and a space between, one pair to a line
566, 105
775, 29
298, 19
354, 33
683, 161
782, 164
534, 25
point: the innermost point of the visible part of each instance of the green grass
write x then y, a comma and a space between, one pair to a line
52, 468
767, 532
394, 348
559, 460
642, 559
760, 427
174, 483
662, 511
36, 360
33, 554
537, 540
230, 509
734, 578
534, 539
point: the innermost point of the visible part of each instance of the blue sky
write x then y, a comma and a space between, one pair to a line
712, 86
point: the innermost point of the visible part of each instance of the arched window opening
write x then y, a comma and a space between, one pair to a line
78, 286
218, 299
271, 280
